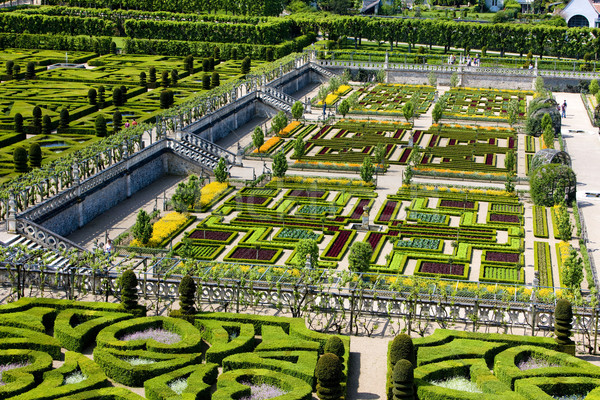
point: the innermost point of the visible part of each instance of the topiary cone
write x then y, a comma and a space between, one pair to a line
334, 345
403, 380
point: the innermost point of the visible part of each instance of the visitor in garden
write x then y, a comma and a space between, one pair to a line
564, 109
108, 247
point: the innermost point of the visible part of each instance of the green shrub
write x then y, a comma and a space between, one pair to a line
92, 95
128, 284
20, 380
329, 374
46, 125
142, 79
117, 96
64, 118
35, 155
20, 159
402, 348
403, 379
187, 295
100, 126
200, 379
228, 386
18, 123
37, 119
215, 80
206, 81
563, 319
335, 346
117, 120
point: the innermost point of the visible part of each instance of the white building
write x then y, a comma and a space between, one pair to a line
582, 13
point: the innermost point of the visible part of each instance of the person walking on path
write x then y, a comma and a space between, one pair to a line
564, 109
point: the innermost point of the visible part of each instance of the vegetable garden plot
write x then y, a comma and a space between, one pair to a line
466, 149
483, 104
388, 99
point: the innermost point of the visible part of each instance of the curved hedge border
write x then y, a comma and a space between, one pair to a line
53, 384
505, 365
200, 379
538, 388
109, 393
191, 339
217, 334
23, 379
229, 386
299, 364
18, 338
74, 334
117, 368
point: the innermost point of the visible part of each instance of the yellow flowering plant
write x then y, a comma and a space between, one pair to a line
163, 228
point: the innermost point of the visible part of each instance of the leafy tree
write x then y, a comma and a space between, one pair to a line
454, 79
509, 184
20, 159
299, 148
280, 164
18, 123
359, 258
258, 138
206, 81
548, 136
297, 110
220, 171
550, 183
304, 247
564, 226
92, 94
142, 229
174, 77
344, 107
46, 125
278, 122
509, 160
367, 170
30, 71
128, 284
35, 155
142, 79
546, 121
187, 195
100, 125
117, 120
164, 80
64, 118
379, 154
37, 119
539, 85
572, 271
437, 112
432, 78
215, 79
408, 110
594, 87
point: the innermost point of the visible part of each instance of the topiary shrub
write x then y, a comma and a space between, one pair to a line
142, 79
563, 318
92, 94
537, 109
37, 119
100, 125
30, 71
18, 123
246, 65
165, 81
117, 119
152, 75
117, 96
403, 381
402, 348
174, 77
187, 295
46, 125
329, 374
35, 155
206, 82
215, 80
20, 159
334, 345
101, 92
129, 295
64, 118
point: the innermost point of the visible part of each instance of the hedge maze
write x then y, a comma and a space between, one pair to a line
170, 358
497, 366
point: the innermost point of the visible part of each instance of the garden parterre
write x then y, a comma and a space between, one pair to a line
285, 356
483, 104
388, 99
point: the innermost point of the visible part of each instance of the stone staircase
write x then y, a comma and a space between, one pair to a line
52, 259
205, 152
323, 71
277, 99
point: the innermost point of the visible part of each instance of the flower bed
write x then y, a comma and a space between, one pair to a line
160, 335
387, 212
199, 251
165, 229
254, 200
469, 205
492, 273
289, 129
338, 246
268, 145
483, 104
420, 243
313, 194
388, 99
211, 193
543, 265
212, 235
295, 234
428, 218
540, 222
